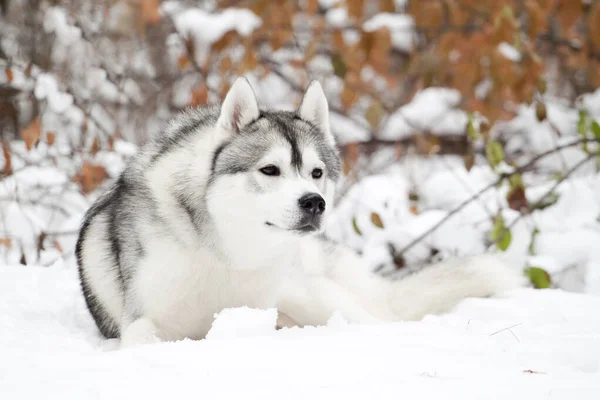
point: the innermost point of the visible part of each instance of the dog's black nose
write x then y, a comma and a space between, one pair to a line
312, 204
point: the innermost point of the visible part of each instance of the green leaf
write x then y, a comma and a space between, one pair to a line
582, 127
339, 66
494, 153
539, 277
500, 234
515, 180
505, 240
355, 226
473, 134
374, 114
531, 248
596, 129
547, 201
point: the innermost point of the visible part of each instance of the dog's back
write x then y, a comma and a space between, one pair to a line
114, 233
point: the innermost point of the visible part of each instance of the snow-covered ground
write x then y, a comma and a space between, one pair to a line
529, 344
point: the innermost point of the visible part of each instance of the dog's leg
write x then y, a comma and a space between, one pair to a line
140, 331
318, 299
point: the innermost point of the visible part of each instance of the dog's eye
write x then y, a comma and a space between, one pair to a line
317, 173
270, 170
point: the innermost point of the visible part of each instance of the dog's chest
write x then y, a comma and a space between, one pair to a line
181, 293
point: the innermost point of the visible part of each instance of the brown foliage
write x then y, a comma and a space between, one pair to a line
31, 134
90, 177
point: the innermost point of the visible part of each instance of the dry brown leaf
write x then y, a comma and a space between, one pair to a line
90, 177
348, 97
9, 74
428, 144
199, 95
31, 134
6, 242
516, 199
376, 220
387, 6
225, 41
50, 138
355, 8
183, 61
7, 170
312, 7
568, 13
96, 146
374, 114
150, 11
249, 62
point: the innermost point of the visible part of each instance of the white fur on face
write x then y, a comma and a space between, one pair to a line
260, 200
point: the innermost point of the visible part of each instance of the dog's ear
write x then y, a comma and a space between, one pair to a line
240, 106
314, 108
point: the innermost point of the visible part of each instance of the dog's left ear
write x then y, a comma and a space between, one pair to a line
240, 106
314, 108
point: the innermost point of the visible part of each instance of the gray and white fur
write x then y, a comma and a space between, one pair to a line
223, 210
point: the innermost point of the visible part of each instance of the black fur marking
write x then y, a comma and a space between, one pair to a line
216, 154
196, 120
108, 328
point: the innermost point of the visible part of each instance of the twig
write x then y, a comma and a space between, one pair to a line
505, 329
541, 200
500, 179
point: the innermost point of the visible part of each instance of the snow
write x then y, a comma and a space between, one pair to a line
47, 88
337, 17
433, 109
528, 344
400, 26
207, 28
509, 51
55, 21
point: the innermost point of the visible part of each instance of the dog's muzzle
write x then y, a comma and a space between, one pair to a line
312, 206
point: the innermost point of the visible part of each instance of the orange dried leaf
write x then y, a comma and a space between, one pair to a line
428, 144
6, 242
7, 170
312, 7
90, 177
150, 11
225, 41
31, 134
348, 97
355, 8
9, 74
96, 146
50, 138
183, 61
199, 95
58, 247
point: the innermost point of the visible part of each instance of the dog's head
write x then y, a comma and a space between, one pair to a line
274, 169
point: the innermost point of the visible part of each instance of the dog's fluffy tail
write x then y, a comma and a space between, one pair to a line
439, 287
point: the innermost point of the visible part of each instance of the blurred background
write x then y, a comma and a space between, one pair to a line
465, 126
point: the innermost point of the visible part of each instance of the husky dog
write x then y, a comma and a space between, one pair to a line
223, 210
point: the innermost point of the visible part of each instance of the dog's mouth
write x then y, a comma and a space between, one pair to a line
306, 228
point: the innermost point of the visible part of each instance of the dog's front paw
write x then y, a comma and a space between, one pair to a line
141, 331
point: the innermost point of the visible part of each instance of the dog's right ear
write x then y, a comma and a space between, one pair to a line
240, 106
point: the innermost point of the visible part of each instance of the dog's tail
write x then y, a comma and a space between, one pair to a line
439, 287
